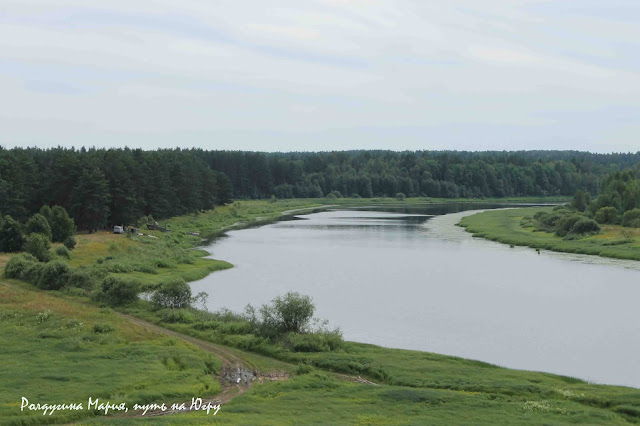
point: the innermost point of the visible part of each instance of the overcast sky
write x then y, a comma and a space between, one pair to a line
321, 75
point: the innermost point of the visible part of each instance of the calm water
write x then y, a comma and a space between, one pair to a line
409, 278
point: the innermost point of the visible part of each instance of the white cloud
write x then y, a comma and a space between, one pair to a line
310, 75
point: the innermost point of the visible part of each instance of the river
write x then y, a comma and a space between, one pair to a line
407, 277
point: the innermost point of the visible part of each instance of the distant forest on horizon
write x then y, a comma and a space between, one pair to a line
120, 185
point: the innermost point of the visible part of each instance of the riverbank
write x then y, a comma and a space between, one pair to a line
505, 226
411, 386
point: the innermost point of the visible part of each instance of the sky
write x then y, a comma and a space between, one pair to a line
306, 75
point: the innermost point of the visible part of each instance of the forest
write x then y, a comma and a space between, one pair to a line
100, 187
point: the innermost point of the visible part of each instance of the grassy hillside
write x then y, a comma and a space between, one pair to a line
505, 226
59, 346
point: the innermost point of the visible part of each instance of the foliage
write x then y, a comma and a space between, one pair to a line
62, 251
289, 313
11, 238
69, 242
38, 245
631, 218
585, 226
581, 200
606, 215
16, 266
172, 294
81, 278
37, 224
401, 196
53, 276
117, 292
62, 226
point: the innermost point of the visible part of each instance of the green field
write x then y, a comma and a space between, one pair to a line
504, 226
59, 346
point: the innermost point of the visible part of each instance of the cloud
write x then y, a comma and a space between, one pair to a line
307, 75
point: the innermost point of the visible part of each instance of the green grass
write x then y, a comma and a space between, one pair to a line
64, 359
504, 226
58, 350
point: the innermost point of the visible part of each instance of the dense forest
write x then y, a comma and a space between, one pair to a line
100, 187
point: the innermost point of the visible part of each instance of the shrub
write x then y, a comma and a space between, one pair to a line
400, 196
102, 328
581, 201
38, 245
53, 275
172, 294
290, 313
62, 251
32, 273
177, 316
564, 225
585, 226
335, 194
37, 224
16, 266
11, 238
606, 215
631, 218
313, 342
61, 224
79, 278
69, 243
117, 292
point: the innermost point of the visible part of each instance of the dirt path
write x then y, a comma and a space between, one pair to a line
235, 377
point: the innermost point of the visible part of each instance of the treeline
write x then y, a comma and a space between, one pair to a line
446, 174
101, 187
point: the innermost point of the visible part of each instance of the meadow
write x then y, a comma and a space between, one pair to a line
61, 346
507, 226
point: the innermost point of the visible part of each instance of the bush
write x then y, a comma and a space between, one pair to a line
62, 251
400, 196
16, 266
32, 273
102, 328
606, 215
335, 194
631, 218
117, 292
177, 316
564, 225
172, 294
37, 224
11, 238
314, 342
69, 243
38, 245
53, 275
290, 313
61, 224
585, 226
79, 278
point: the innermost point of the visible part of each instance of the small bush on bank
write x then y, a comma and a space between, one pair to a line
172, 294
16, 266
313, 342
11, 238
82, 279
631, 218
565, 224
117, 292
62, 251
182, 316
37, 224
70, 243
585, 226
606, 215
53, 275
400, 196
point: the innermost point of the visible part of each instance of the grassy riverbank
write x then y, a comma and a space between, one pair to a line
505, 226
68, 356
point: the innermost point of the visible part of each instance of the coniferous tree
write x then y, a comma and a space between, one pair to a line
91, 200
